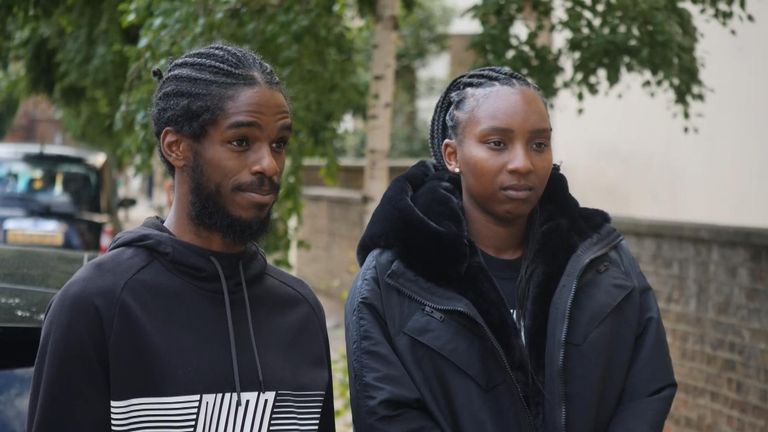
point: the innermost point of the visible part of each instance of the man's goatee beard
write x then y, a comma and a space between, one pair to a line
209, 212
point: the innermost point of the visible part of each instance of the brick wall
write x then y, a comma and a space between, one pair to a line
350, 172
712, 286
333, 220
462, 57
333, 224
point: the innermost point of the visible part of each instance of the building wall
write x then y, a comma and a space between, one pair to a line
328, 236
333, 224
37, 121
462, 58
712, 286
350, 172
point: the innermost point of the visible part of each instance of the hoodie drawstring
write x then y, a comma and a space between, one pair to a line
232, 347
250, 327
230, 326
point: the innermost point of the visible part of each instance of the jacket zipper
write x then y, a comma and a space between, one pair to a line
561, 365
488, 333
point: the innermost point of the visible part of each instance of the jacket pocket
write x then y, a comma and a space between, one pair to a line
599, 293
471, 352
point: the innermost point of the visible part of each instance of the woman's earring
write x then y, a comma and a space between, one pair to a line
457, 170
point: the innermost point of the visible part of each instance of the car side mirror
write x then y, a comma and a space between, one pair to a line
126, 203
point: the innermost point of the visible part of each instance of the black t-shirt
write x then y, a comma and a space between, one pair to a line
504, 273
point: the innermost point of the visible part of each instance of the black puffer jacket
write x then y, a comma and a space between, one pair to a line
432, 345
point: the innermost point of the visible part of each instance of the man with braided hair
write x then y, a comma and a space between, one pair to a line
183, 324
489, 299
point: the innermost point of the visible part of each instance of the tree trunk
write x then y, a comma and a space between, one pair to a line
381, 91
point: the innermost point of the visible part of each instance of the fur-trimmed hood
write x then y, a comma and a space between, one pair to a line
421, 218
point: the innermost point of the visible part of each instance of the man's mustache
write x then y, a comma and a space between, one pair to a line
261, 185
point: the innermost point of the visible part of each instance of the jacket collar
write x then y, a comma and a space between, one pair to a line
191, 262
426, 291
420, 216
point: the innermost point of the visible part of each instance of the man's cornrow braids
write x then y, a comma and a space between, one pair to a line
445, 125
193, 93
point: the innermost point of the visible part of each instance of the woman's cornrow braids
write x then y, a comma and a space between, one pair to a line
453, 102
193, 93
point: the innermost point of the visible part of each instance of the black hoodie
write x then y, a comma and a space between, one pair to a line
159, 334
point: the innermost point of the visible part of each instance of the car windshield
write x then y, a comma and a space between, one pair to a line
44, 184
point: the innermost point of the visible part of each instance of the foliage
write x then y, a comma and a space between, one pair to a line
603, 40
62, 50
422, 33
93, 59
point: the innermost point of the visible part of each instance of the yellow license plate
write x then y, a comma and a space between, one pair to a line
34, 238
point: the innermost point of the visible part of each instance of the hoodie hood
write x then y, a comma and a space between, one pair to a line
191, 262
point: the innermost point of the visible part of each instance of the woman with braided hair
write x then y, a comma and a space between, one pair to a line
488, 298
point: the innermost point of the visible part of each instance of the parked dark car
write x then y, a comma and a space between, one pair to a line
57, 196
29, 277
